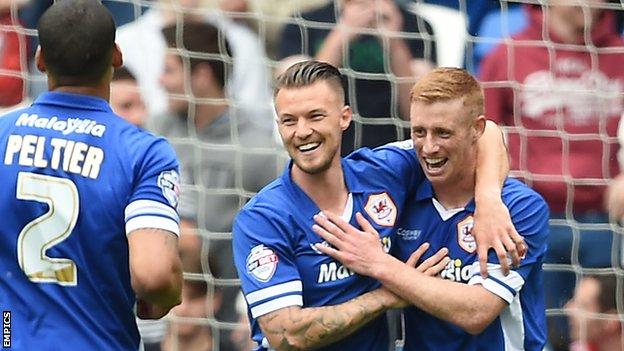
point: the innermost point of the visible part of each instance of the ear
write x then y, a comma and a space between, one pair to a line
117, 57
39, 60
345, 118
479, 126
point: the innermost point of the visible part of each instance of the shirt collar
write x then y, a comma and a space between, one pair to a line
425, 191
78, 101
307, 206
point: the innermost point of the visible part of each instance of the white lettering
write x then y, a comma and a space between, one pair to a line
14, 144
71, 125
331, 272
73, 157
28, 149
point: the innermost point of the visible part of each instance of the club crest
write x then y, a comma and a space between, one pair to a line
381, 209
262, 263
464, 235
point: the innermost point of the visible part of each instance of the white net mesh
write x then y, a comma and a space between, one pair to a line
225, 168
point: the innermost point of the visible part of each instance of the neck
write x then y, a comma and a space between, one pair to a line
565, 31
97, 91
456, 192
199, 341
328, 189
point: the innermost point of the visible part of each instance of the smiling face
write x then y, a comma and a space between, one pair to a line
445, 140
311, 120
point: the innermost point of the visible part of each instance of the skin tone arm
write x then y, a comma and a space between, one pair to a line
493, 227
157, 283
296, 328
471, 307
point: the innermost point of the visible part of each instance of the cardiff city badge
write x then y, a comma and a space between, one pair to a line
262, 263
464, 235
381, 209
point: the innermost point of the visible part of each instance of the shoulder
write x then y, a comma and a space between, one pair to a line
270, 203
388, 156
522, 200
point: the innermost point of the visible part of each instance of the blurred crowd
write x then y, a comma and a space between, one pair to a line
200, 73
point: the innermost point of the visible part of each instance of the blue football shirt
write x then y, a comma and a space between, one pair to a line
274, 244
77, 180
522, 325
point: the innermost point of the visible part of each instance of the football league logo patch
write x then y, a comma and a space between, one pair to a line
262, 263
381, 209
169, 183
464, 235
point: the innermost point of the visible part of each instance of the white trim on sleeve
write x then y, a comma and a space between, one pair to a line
140, 207
274, 305
493, 287
156, 222
294, 286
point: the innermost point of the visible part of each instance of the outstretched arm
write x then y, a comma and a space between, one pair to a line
493, 227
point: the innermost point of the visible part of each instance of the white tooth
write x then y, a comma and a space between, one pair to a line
307, 147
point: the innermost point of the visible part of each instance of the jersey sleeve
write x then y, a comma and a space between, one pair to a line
400, 161
265, 262
530, 217
156, 192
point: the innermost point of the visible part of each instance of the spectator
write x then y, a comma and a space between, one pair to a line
376, 95
560, 89
224, 157
188, 329
593, 315
13, 53
144, 48
125, 97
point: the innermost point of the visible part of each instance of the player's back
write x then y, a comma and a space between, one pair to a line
70, 169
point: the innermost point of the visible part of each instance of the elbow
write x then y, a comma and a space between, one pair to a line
159, 284
474, 328
476, 323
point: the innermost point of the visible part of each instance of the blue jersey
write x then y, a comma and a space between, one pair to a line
522, 325
274, 244
77, 179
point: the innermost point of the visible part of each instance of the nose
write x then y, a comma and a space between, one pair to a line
429, 145
303, 129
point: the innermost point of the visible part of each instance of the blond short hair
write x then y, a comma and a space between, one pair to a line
449, 83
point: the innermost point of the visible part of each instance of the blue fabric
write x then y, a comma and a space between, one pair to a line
100, 164
273, 241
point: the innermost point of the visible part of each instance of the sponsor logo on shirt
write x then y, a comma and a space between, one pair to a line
409, 234
69, 126
381, 209
329, 272
456, 271
262, 263
169, 183
464, 235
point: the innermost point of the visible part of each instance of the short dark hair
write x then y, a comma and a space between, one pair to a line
200, 38
307, 73
77, 38
122, 73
